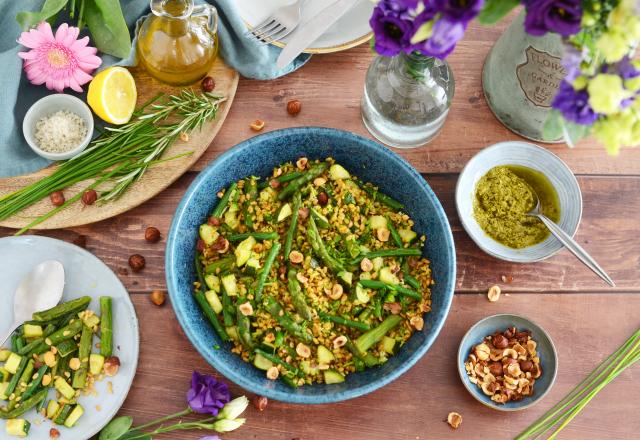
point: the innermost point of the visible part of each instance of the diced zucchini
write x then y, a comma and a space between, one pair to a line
213, 300
262, 363
243, 251
66, 347
12, 363
308, 369
4, 375
64, 388
89, 318
72, 418
233, 332
378, 262
31, 331
377, 222
332, 376
229, 284
213, 282
324, 355
267, 194
337, 172
361, 294
3, 390
96, 361
388, 344
387, 277
62, 413
285, 212
231, 218
407, 235
353, 249
345, 276
253, 262
208, 233
18, 427
321, 220
4, 354
52, 408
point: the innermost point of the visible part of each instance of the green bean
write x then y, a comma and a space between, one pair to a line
373, 284
264, 273
371, 337
394, 232
228, 311
382, 198
298, 297
319, 248
276, 360
17, 343
67, 332
16, 378
343, 321
291, 232
378, 285
281, 179
224, 201
365, 314
397, 252
65, 348
25, 378
285, 321
222, 265
73, 306
406, 292
291, 382
25, 406
211, 316
244, 328
62, 367
279, 339
313, 172
411, 281
106, 327
251, 193
84, 350
35, 383
256, 235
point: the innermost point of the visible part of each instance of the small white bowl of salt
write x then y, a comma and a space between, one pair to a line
58, 126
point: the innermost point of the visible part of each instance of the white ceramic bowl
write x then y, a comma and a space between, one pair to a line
528, 155
51, 104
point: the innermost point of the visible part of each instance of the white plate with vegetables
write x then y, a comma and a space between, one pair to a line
83, 392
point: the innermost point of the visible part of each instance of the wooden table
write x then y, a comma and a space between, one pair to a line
586, 319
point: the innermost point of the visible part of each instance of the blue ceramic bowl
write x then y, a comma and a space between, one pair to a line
258, 156
545, 348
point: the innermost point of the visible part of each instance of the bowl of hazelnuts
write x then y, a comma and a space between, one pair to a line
507, 362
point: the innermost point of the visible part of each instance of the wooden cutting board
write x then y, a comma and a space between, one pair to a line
156, 179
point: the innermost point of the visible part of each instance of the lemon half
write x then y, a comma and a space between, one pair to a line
112, 95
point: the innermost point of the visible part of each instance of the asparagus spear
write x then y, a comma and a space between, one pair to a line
31, 346
84, 350
35, 383
382, 198
291, 232
244, 328
319, 248
264, 273
204, 304
276, 360
256, 235
222, 265
297, 296
368, 339
397, 252
106, 327
343, 321
25, 365
282, 179
276, 310
313, 172
251, 192
25, 406
74, 306
394, 232
224, 201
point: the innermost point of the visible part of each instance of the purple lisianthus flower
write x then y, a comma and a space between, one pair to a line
207, 395
446, 33
626, 69
560, 16
392, 32
571, 60
458, 10
574, 104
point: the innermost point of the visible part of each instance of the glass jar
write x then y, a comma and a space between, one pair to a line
178, 43
406, 99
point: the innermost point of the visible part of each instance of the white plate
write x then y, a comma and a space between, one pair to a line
351, 30
84, 275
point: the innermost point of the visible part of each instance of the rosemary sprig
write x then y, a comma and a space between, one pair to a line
120, 156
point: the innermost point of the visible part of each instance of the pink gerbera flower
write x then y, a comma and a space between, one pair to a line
58, 61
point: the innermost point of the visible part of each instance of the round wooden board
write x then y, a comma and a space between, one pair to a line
156, 179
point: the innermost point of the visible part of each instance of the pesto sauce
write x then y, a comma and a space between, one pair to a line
502, 198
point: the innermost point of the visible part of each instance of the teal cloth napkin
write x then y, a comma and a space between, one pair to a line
247, 56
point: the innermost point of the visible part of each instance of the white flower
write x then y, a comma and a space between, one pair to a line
234, 408
226, 425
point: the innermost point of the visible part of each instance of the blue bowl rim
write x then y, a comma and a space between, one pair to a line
516, 144
473, 390
231, 374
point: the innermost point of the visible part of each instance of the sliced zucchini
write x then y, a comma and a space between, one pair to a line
52, 408
208, 233
308, 369
407, 235
285, 212
387, 277
361, 294
345, 276
337, 172
378, 262
213, 282
231, 217
377, 222
72, 418
388, 344
89, 318
321, 220
253, 262
229, 284
66, 347
64, 388
4, 375
31, 331
243, 251
96, 361
213, 300
262, 363
4, 354
18, 427
12, 363
332, 376
233, 332
324, 355
3, 390
62, 414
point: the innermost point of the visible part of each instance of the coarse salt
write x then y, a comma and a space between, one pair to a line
60, 131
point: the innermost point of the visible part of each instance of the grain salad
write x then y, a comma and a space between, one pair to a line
60, 132
311, 274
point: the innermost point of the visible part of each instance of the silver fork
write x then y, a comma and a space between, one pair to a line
282, 22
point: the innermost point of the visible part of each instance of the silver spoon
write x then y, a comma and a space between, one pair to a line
569, 242
40, 289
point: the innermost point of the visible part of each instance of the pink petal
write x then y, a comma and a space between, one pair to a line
28, 55
45, 29
81, 76
32, 39
74, 85
88, 64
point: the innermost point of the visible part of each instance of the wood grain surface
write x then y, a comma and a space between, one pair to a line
586, 320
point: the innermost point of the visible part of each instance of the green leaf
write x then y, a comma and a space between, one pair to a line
50, 8
116, 428
107, 26
494, 10
552, 128
574, 132
136, 435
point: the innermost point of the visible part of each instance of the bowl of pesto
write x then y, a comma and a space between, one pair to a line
497, 188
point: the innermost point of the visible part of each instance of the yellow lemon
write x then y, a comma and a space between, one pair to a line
112, 95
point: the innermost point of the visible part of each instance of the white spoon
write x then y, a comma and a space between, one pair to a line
39, 290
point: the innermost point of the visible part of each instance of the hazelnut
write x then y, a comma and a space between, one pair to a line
494, 293
495, 368
152, 235
214, 221
417, 322
454, 420
482, 352
260, 402
89, 197
54, 434
319, 181
339, 341
510, 332
395, 308
302, 163
200, 245
509, 361
208, 84
282, 271
111, 365
336, 291
383, 234
303, 350
499, 341
246, 309
57, 198
526, 366
257, 125
323, 199
293, 107
74, 364
49, 359
303, 213
137, 262
296, 257
273, 373
158, 297
274, 183
221, 245
366, 265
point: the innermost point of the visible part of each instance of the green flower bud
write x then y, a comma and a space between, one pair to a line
234, 408
227, 425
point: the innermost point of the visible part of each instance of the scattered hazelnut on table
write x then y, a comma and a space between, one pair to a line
257, 125
152, 235
208, 84
111, 365
158, 297
137, 262
293, 107
454, 420
57, 198
89, 197
54, 434
494, 293
260, 402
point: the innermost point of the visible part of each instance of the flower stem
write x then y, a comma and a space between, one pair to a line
200, 424
182, 413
